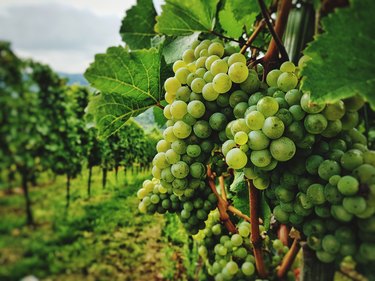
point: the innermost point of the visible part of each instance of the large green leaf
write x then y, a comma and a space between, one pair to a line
343, 56
129, 83
137, 28
236, 15
174, 47
181, 17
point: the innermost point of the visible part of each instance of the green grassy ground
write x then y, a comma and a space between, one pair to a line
98, 238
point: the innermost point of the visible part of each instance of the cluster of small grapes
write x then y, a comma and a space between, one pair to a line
332, 190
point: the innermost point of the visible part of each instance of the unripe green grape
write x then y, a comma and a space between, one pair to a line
169, 97
232, 267
160, 160
354, 205
287, 66
210, 60
255, 120
209, 93
280, 215
350, 120
162, 146
196, 109
267, 106
202, 129
222, 83
315, 123
258, 140
293, 97
315, 194
216, 48
365, 174
254, 98
171, 85
284, 115
178, 109
297, 112
181, 130
197, 170
208, 77
330, 244
261, 183
219, 66
193, 150
182, 74
156, 172
328, 168
236, 57
236, 158
333, 129
236, 97
201, 61
272, 77
183, 94
282, 149
252, 82
218, 121
167, 112
188, 56
261, 158
197, 85
295, 131
309, 106
239, 125
172, 156
352, 159
241, 138
273, 127
238, 72
339, 213
354, 103
200, 72
179, 146
240, 109
191, 67
287, 81
236, 240
334, 111
178, 64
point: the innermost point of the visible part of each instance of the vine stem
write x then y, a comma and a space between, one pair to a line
275, 35
283, 234
222, 205
254, 35
238, 213
222, 188
288, 259
160, 106
255, 237
224, 37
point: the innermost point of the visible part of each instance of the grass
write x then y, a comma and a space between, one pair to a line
98, 238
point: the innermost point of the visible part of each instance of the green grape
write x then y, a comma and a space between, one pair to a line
178, 64
267, 106
293, 97
197, 85
280, 215
201, 62
258, 140
193, 150
333, 180
350, 120
208, 77
210, 60
255, 120
236, 158
254, 98
202, 129
261, 158
239, 125
333, 129
190, 78
273, 127
196, 108
222, 83
200, 72
283, 194
209, 93
304, 200
315, 193
287, 66
248, 268
216, 48
252, 82
287, 81
179, 146
169, 97
352, 159
295, 131
182, 74
160, 160
236, 57
339, 213
365, 173
332, 194
329, 168
171, 85
310, 107
172, 156
295, 219
272, 77
348, 249
334, 111
285, 116
354, 103
354, 205
315, 123
218, 121
188, 56
178, 109
302, 61
180, 170
312, 164
162, 146
183, 94
322, 211
297, 112
241, 138
238, 72
261, 183
325, 257
219, 66
282, 149
181, 130
330, 244
244, 231
236, 97
240, 109
156, 172
236, 240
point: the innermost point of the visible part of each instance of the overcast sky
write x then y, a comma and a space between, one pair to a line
62, 33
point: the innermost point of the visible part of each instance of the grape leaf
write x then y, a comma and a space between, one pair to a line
137, 28
233, 18
342, 57
159, 117
241, 197
173, 48
181, 17
129, 83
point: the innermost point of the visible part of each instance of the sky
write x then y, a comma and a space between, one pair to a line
66, 34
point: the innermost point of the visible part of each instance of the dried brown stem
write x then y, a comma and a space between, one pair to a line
275, 34
288, 259
283, 234
238, 213
222, 205
254, 35
255, 237
222, 188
